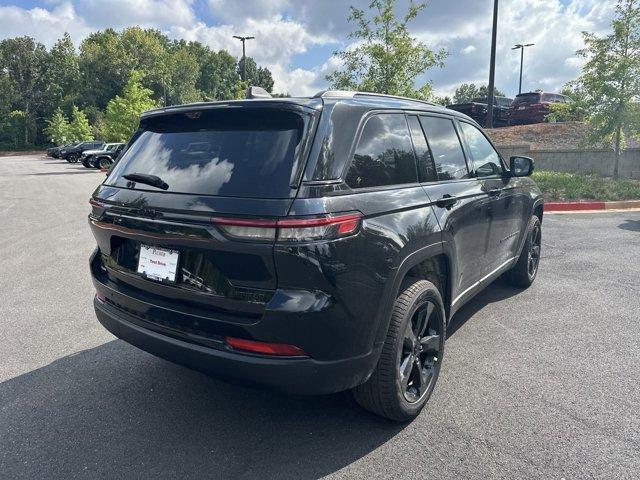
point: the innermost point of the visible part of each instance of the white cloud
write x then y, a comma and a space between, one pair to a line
287, 30
44, 25
277, 42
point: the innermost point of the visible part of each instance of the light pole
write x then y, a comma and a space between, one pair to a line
521, 47
492, 66
244, 57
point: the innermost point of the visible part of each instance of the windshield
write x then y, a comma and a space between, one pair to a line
226, 152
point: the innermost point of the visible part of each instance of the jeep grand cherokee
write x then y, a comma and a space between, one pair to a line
311, 245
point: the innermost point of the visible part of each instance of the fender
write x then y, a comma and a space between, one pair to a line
537, 202
393, 285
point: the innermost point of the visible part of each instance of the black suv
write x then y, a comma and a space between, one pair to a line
312, 245
72, 153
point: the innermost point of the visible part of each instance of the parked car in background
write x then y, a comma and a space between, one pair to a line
72, 153
55, 151
312, 245
108, 152
478, 108
533, 107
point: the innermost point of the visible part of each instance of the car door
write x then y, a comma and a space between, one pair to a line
506, 202
460, 204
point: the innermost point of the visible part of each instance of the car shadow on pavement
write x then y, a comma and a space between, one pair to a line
116, 412
495, 292
631, 225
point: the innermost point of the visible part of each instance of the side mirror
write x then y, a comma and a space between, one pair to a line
521, 166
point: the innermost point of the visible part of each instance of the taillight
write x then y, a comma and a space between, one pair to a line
265, 348
291, 229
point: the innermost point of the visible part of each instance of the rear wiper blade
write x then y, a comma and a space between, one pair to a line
147, 179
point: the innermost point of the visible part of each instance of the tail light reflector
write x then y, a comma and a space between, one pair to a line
289, 229
281, 349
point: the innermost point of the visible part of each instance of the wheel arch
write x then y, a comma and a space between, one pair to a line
428, 263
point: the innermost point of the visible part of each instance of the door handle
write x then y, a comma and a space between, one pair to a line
447, 201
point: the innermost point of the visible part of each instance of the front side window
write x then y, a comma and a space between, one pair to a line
486, 161
446, 148
384, 155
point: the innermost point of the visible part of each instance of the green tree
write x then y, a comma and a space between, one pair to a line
24, 62
385, 58
183, 76
466, 92
103, 67
574, 111
256, 76
58, 128
123, 113
444, 101
610, 80
79, 128
63, 73
15, 126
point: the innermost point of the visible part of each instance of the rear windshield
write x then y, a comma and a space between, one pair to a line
527, 98
226, 152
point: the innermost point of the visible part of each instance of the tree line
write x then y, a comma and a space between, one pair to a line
89, 92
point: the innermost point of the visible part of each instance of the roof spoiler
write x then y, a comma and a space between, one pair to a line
257, 92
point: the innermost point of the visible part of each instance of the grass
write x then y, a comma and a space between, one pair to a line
573, 186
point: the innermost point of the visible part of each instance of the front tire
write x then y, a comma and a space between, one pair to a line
411, 356
524, 272
72, 158
103, 163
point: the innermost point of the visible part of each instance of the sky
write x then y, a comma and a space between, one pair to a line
295, 39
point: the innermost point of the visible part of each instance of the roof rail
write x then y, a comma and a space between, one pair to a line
350, 94
334, 94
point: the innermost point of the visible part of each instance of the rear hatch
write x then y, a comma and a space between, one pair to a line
157, 241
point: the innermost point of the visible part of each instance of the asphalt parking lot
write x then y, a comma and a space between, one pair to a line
542, 383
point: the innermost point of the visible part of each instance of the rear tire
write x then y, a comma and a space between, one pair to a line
524, 272
411, 356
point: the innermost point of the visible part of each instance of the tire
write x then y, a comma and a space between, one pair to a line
388, 392
525, 270
103, 162
86, 162
72, 158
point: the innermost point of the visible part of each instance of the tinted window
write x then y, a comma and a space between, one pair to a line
446, 148
486, 161
384, 155
426, 169
528, 98
236, 153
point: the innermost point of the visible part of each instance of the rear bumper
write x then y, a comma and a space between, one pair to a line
297, 375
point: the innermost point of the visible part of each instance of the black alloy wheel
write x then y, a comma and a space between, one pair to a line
524, 272
419, 360
533, 257
411, 356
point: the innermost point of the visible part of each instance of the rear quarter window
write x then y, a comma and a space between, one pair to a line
384, 155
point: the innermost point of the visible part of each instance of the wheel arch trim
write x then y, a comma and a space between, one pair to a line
393, 284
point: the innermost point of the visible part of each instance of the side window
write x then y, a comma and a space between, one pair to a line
384, 155
445, 146
486, 161
426, 168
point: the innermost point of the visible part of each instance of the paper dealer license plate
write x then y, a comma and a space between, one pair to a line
158, 263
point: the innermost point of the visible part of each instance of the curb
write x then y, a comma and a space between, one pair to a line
595, 205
